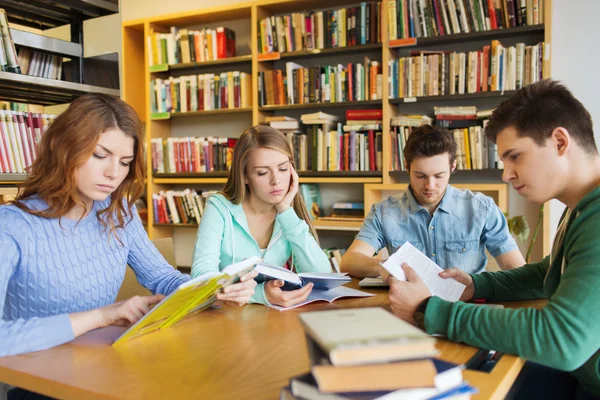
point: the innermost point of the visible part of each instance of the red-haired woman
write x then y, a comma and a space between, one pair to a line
66, 239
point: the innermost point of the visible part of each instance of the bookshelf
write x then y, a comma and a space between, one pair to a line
76, 72
372, 186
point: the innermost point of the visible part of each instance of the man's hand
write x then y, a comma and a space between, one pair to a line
405, 297
462, 277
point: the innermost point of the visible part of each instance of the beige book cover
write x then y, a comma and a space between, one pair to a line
366, 335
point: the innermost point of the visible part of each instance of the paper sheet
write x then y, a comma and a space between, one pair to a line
428, 271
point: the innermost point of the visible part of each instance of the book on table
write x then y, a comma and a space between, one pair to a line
363, 336
305, 387
191, 297
293, 281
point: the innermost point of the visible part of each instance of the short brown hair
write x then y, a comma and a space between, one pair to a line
429, 141
536, 110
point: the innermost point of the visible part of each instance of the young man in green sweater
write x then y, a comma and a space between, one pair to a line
546, 140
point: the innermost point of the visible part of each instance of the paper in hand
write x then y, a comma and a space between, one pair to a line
447, 289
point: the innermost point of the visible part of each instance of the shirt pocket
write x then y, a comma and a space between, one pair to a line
396, 244
462, 254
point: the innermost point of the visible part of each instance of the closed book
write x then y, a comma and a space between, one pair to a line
366, 335
432, 373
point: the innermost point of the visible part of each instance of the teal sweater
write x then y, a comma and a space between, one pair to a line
224, 238
565, 334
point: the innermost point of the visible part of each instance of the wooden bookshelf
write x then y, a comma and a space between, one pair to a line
198, 65
374, 185
454, 97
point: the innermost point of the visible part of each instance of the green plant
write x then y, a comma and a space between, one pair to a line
519, 227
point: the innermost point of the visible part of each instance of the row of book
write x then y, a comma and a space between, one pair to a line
420, 18
187, 46
8, 53
40, 64
191, 154
202, 92
368, 353
310, 30
467, 124
494, 68
179, 206
20, 132
323, 84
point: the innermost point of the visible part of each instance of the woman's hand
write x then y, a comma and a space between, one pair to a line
462, 277
288, 199
239, 293
127, 312
285, 298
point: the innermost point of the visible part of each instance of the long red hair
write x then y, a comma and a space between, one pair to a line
68, 143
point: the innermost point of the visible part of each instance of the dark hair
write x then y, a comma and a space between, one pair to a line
68, 143
536, 110
429, 141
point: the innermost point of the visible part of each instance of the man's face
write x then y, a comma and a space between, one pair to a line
429, 178
534, 171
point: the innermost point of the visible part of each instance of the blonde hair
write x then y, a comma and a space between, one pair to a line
260, 136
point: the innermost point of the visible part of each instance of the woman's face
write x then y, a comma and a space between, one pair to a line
106, 169
268, 174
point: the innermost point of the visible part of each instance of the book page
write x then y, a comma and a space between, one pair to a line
327, 295
428, 271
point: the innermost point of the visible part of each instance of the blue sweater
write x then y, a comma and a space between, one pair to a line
49, 270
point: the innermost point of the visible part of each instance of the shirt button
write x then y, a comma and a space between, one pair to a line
431, 227
464, 249
432, 254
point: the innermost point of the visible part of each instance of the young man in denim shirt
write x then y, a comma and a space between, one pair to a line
451, 226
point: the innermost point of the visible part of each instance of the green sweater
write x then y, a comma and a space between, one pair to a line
565, 334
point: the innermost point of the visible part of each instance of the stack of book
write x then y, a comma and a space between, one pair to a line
40, 64
475, 151
410, 19
179, 206
400, 128
368, 353
8, 53
310, 30
493, 68
191, 154
323, 84
20, 132
201, 92
189, 46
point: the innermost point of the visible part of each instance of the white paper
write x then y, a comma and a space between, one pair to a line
327, 295
447, 289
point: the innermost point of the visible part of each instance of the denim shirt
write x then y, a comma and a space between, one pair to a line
456, 235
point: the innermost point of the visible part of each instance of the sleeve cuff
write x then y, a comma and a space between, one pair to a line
505, 248
483, 287
259, 296
289, 219
437, 315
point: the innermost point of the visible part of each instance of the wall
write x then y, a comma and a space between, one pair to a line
135, 9
575, 61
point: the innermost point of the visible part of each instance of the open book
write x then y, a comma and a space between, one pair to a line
428, 271
193, 296
326, 295
293, 281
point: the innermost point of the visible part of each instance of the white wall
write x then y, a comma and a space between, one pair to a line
575, 61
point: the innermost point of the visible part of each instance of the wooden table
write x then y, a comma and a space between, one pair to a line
228, 353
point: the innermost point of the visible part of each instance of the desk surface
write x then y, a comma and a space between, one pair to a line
249, 352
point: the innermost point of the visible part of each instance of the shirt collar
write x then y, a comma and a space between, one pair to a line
445, 205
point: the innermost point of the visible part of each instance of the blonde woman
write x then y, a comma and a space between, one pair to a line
259, 213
